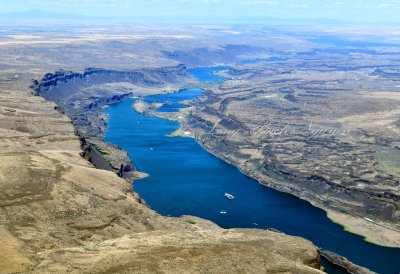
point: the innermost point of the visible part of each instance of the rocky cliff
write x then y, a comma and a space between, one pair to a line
83, 96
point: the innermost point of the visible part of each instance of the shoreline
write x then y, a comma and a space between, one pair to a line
346, 221
364, 228
371, 232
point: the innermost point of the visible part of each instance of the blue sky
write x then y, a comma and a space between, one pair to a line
367, 11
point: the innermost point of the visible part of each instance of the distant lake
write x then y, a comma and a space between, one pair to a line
187, 180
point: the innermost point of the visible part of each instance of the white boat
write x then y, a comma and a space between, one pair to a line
229, 196
222, 212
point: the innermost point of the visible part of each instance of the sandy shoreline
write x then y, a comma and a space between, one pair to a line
372, 232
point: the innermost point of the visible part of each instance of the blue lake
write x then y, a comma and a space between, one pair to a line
187, 180
208, 74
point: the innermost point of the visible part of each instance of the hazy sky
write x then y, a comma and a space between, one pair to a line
369, 11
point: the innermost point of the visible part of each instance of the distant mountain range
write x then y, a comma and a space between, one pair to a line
41, 14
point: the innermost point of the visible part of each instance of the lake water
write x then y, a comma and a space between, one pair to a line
171, 100
187, 180
208, 74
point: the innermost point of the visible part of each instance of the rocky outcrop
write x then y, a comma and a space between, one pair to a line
52, 85
344, 263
